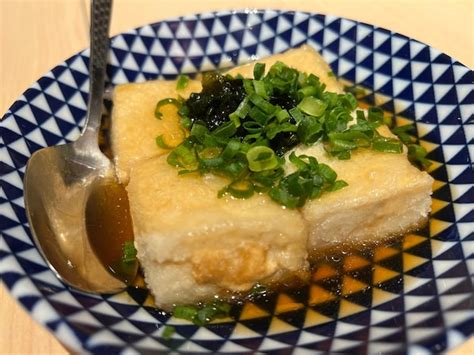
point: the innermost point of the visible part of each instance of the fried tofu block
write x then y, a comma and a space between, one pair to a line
134, 125
193, 245
386, 196
304, 59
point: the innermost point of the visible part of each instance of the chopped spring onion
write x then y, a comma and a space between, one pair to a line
352, 138
308, 182
387, 145
161, 103
168, 332
182, 82
312, 106
129, 253
260, 90
327, 173
258, 115
243, 108
183, 155
253, 127
297, 115
239, 189
356, 90
339, 184
417, 155
261, 103
308, 91
186, 122
161, 143
309, 130
187, 312
375, 114
241, 112
248, 86
261, 158
273, 130
204, 314
231, 149
282, 115
402, 133
258, 71
225, 130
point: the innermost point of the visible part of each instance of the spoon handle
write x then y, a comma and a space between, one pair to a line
99, 35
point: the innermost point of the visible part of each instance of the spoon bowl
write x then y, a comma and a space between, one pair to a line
56, 190
59, 182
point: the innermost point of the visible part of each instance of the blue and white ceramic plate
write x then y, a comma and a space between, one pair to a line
415, 295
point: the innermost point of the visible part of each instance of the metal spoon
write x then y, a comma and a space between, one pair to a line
59, 182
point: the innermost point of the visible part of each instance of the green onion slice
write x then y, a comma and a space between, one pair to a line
337, 185
258, 70
261, 158
225, 130
231, 149
161, 103
168, 332
187, 312
417, 155
160, 142
282, 115
182, 82
129, 253
260, 90
312, 106
241, 189
387, 145
261, 103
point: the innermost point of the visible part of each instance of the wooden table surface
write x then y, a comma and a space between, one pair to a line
35, 35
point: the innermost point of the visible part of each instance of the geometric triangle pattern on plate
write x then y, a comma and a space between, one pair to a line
411, 295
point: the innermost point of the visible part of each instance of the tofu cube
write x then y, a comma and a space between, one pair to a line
193, 245
386, 197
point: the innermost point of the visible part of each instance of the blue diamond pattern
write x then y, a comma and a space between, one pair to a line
426, 309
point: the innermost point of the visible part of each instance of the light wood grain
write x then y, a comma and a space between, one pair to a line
444, 24
35, 35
